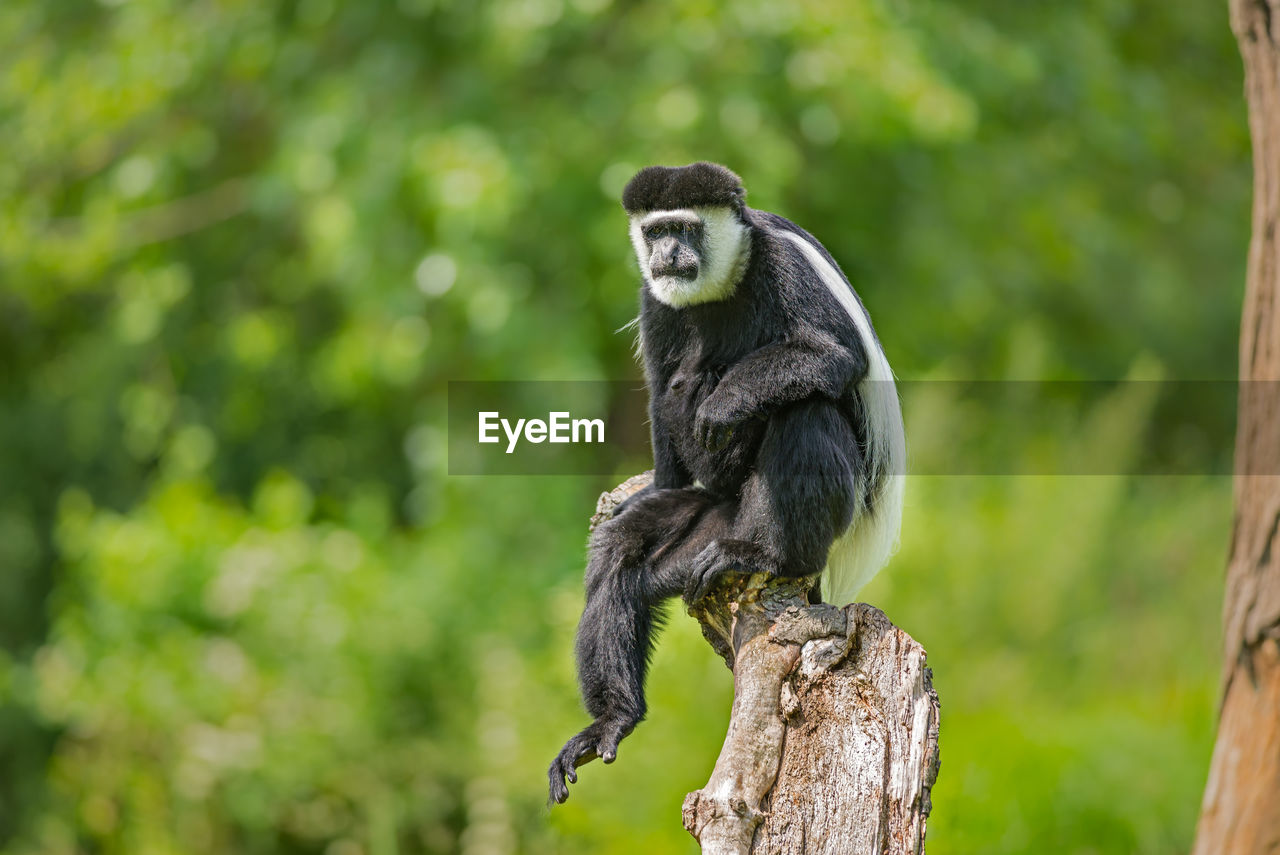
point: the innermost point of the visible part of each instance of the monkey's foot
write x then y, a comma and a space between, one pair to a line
720, 557
599, 739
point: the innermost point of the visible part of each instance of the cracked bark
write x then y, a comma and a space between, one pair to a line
832, 745
1240, 812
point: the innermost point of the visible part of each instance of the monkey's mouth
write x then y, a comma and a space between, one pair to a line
685, 272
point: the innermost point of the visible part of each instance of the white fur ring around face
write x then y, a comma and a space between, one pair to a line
724, 256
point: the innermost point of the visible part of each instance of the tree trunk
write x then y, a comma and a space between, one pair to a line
1241, 808
833, 739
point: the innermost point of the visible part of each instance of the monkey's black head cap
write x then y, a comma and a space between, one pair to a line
660, 188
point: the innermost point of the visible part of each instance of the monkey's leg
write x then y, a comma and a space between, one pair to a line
634, 564
801, 496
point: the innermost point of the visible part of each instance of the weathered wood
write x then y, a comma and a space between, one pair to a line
832, 744
861, 753
833, 740
1241, 809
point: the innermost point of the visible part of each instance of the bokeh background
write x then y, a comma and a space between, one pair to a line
244, 246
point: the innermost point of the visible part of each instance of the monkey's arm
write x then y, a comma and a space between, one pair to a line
668, 471
812, 362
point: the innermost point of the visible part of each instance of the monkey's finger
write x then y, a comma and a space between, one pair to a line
697, 571
698, 589
708, 578
585, 756
720, 437
608, 747
706, 431
563, 767
558, 791
704, 586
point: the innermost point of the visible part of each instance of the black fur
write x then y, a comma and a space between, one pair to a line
753, 397
657, 188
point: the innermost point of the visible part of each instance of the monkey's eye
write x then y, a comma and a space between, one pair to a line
652, 233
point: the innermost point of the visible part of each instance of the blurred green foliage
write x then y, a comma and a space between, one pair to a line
243, 246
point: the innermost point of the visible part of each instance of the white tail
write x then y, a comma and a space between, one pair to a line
859, 553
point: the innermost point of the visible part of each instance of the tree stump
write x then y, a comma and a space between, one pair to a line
833, 738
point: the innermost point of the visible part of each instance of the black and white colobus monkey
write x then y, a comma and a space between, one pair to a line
777, 434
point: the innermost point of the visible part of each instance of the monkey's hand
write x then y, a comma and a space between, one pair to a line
718, 416
599, 739
720, 557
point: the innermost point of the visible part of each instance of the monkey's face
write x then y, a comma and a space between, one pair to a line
690, 255
675, 246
